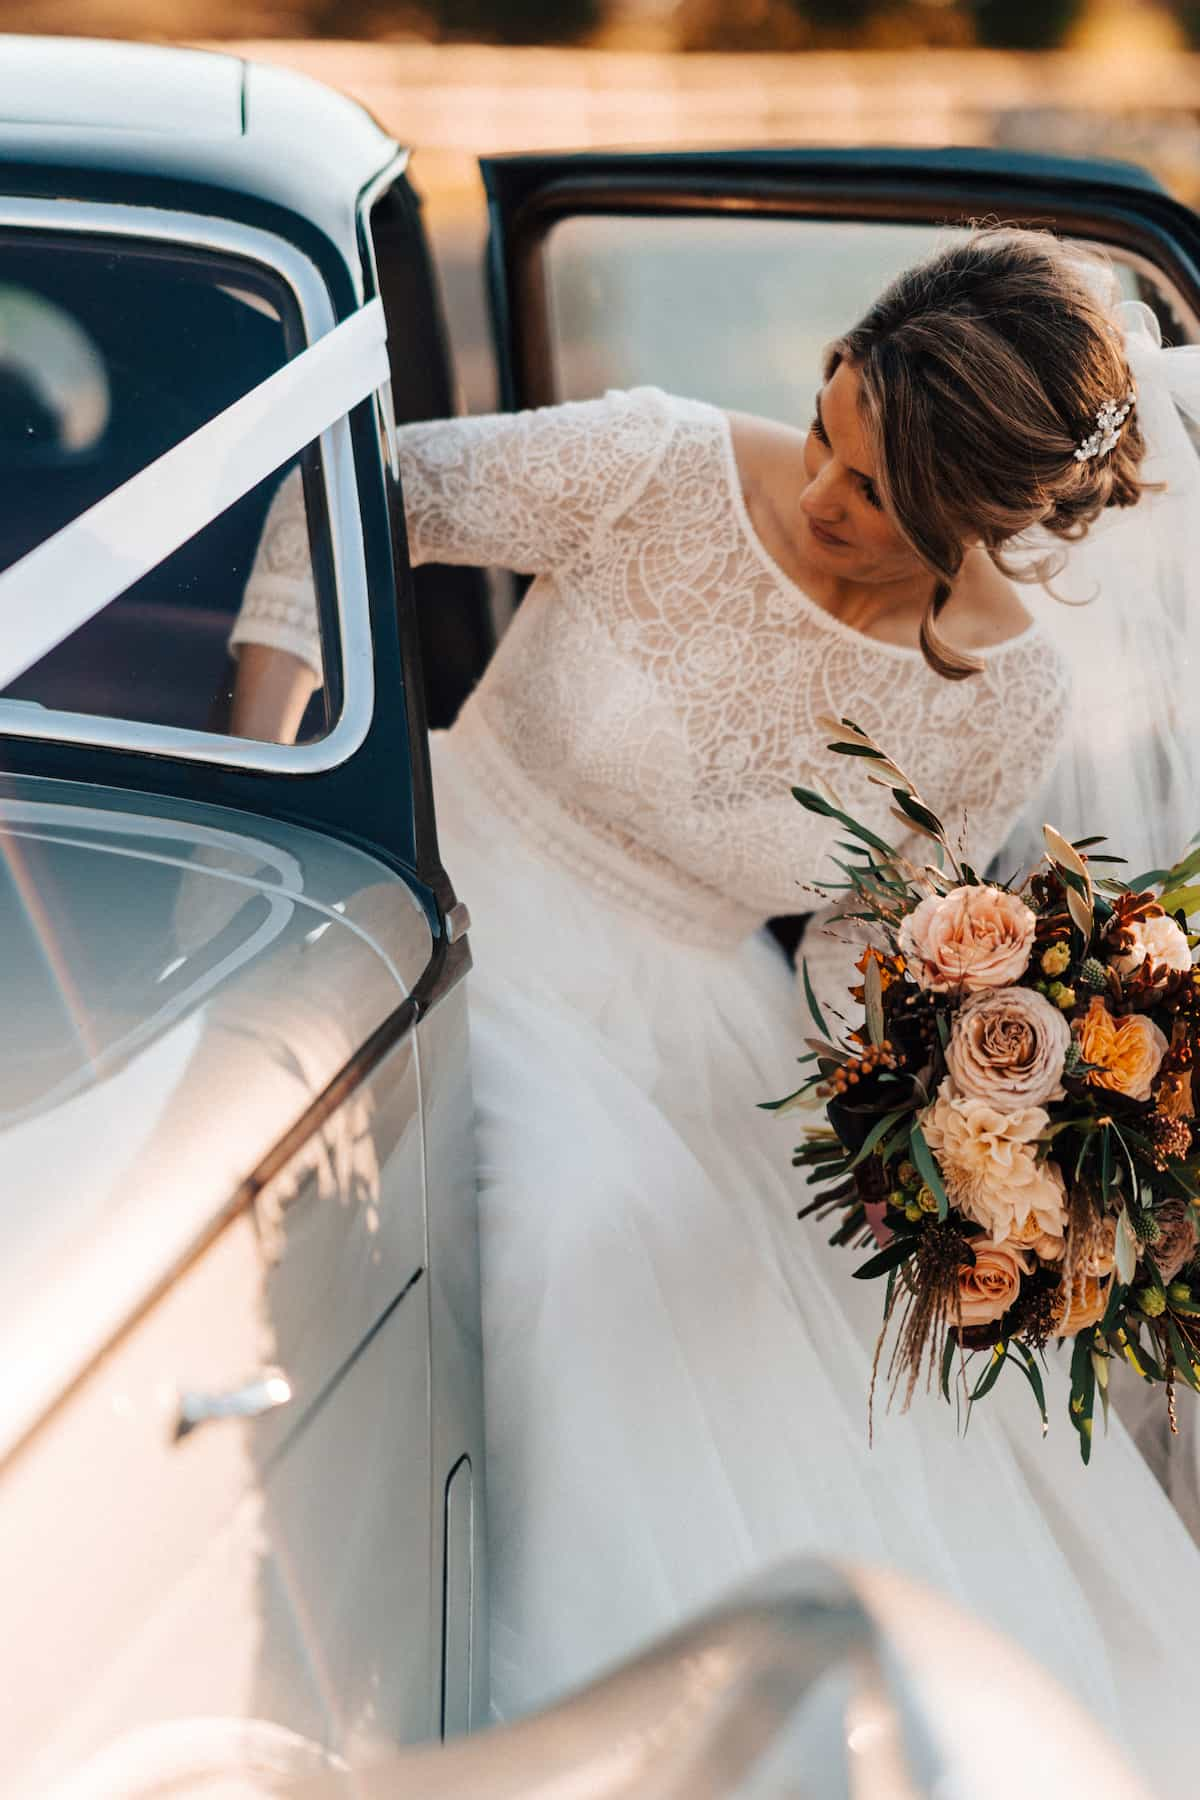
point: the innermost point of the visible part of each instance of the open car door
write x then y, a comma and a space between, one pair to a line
723, 276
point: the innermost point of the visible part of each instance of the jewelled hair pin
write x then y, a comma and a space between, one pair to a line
1109, 420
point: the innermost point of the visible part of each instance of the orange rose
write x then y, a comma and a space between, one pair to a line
1128, 1050
986, 1291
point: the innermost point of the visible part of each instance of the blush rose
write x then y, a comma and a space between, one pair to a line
1007, 1047
967, 940
1158, 943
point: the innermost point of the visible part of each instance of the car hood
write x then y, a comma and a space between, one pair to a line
181, 984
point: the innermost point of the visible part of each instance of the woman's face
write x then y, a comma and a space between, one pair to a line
846, 531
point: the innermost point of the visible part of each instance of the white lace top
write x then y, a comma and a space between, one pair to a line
658, 692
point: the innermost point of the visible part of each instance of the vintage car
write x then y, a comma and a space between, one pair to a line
241, 1472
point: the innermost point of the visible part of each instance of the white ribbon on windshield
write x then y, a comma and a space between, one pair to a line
70, 577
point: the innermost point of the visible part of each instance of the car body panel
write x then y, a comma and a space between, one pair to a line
138, 1567
205, 132
103, 88
173, 973
348, 1508
260, 1540
238, 1129
456, 1347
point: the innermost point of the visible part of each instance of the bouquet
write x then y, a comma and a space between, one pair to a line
1010, 1131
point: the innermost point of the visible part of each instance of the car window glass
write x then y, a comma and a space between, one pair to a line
110, 354
738, 310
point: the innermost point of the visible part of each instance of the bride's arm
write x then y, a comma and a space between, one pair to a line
523, 491
275, 636
526, 491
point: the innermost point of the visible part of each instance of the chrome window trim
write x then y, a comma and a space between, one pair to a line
157, 225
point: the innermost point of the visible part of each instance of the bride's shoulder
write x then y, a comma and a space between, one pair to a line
759, 446
757, 440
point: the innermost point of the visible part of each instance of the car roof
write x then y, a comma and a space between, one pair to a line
196, 130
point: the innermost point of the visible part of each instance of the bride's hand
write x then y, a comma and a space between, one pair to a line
876, 1211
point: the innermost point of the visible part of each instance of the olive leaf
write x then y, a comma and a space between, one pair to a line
813, 802
922, 1155
1061, 851
1068, 861
1181, 899
873, 999
1125, 1248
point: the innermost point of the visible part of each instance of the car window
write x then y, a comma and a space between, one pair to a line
738, 310
110, 354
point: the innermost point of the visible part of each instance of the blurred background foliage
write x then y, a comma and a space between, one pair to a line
685, 25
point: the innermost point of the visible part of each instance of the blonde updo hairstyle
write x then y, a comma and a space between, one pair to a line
982, 370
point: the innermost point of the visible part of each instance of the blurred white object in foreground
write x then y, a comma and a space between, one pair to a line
836, 1683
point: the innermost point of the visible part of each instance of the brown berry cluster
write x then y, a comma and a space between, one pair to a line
859, 1068
1170, 1137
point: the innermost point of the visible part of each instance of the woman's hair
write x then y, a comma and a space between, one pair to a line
982, 371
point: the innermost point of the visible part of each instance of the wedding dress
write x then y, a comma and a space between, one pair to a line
677, 1368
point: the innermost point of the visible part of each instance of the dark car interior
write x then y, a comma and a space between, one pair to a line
204, 335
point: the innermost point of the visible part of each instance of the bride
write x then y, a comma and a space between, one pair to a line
676, 1368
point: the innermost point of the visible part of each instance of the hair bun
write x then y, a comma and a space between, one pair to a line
982, 372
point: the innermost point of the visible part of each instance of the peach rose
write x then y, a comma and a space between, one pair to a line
1128, 1050
986, 1291
1084, 1306
1158, 942
1007, 1047
967, 940
990, 1167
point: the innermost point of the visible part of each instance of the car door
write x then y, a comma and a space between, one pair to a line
452, 618
723, 275
311, 1222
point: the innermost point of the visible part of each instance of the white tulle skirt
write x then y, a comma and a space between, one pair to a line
676, 1367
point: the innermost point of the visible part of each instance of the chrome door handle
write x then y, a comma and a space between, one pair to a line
458, 923
263, 1393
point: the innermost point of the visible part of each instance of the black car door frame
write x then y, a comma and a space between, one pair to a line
1113, 203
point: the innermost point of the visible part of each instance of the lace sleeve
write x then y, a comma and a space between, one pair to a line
279, 607
523, 491
526, 491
